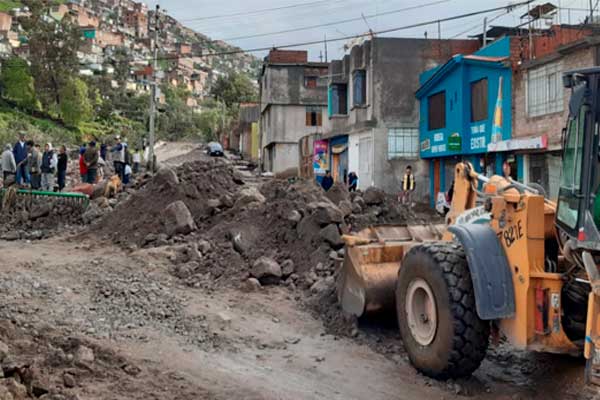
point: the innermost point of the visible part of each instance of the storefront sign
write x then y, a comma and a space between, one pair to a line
535, 143
425, 145
321, 157
454, 142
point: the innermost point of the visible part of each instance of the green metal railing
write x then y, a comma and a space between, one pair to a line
78, 198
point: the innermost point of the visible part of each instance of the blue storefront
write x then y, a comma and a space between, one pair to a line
465, 105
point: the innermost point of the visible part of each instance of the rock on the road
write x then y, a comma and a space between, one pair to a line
178, 219
331, 235
266, 270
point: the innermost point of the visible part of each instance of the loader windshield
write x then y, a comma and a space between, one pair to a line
570, 184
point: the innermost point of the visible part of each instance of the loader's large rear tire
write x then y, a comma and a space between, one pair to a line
435, 303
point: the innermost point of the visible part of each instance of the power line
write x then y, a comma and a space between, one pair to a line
339, 22
509, 7
243, 13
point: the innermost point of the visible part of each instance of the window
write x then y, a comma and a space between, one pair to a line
338, 99
479, 100
570, 183
310, 82
314, 116
359, 80
544, 90
403, 143
437, 111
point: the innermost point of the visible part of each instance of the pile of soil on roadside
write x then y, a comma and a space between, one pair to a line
41, 362
193, 183
32, 218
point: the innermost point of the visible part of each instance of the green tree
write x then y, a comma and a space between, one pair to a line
53, 52
209, 123
18, 84
75, 105
233, 89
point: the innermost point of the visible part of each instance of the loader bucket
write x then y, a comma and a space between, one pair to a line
367, 280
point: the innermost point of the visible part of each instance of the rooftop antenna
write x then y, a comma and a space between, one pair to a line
367, 23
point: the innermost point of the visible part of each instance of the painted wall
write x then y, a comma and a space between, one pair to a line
475, 136
549, 124
287, 124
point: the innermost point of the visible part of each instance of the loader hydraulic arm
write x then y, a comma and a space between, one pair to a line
465, 195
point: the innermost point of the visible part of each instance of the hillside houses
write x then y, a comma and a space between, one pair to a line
185, 57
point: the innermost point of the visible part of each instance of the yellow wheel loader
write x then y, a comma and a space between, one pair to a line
508, 263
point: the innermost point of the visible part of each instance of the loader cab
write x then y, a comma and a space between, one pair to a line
578, 208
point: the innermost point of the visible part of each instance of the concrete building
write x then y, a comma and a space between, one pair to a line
244, 136
373, 113
465, 106
293, 93
541, 106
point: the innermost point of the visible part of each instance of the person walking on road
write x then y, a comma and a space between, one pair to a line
34, 165
327, 181
61, 167
8, 163
48, 168
90, 157
20, 152
408, 187
352, 182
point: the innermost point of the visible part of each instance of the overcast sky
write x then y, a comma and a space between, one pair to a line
206, 16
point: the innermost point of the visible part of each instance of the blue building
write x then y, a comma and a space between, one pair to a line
465, 105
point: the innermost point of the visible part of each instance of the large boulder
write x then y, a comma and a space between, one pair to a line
374, 196
331, 235
345, 207
337, 193
308, 228
178, 219
327, 213
266, 270
92, 213
164, 176
249, 195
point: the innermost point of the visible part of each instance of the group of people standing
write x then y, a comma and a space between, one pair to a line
92, 161
351, 180
25, 163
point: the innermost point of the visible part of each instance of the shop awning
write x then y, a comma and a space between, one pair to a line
531, 143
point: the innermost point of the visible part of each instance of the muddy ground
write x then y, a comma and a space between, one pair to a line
84, 318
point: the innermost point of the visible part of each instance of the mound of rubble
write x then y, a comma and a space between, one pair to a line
44, 364
224, 231
170, 203
39, 218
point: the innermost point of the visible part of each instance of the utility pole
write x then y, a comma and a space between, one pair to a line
591, 11
326, 48
485, 21
153, 91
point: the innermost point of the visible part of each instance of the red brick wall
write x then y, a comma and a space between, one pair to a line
288, 56
551, 124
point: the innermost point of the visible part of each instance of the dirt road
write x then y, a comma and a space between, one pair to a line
93, 321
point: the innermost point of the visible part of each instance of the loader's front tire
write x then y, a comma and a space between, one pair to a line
435, 303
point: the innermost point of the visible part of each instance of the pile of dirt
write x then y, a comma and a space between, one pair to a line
41, 362
38, 218
142, 218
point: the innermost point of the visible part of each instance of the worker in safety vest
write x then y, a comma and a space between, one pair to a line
408, 187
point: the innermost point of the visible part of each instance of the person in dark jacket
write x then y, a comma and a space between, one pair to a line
48, 168
327, 181
61, 167
20, 151
352, 181
90, 157
34, 165
103, 151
